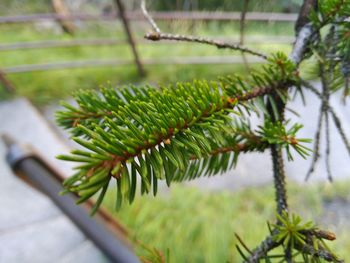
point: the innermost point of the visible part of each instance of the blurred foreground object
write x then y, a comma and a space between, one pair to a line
34, 171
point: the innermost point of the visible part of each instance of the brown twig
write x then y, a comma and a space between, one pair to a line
149, 17
202, 40
157, 35
254, 143
130, 37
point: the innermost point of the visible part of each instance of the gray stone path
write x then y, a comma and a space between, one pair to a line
32, 229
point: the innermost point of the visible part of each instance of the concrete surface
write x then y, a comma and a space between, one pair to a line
32, 229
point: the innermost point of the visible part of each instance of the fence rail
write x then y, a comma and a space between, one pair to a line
115, 62
195, 15
112, 42
61, 43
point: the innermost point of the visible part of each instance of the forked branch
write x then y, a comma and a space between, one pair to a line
157, 35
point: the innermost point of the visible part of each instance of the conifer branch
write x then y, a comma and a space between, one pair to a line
81, 114
276, 113
279, 178
173, 133
263, 249
319, 253
292, 234
327, 74
304, 33
309, 23
279, 175
253, 143
181, 132
239, 148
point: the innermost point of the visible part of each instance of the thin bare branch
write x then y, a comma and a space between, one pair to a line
326, 80
335, 117
328, 147
149, 17
157, 35
323, 113
339, 126
316, 149
202, 40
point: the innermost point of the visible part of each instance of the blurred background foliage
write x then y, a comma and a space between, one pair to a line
199, 226
41, 87
227, 5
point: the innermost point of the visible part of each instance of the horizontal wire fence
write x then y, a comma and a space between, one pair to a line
133, 16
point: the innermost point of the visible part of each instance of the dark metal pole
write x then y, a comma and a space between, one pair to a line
131, 41
34, 172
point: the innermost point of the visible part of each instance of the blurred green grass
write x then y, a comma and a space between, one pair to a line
198, 226
49, 86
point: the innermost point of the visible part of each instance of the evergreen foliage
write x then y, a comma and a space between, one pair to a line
332, 47
138, 136
173, 133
